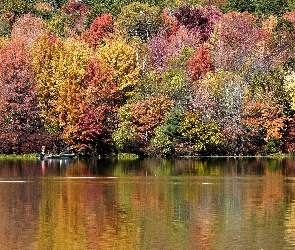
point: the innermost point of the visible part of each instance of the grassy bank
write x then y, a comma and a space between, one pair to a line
129, 156
15, 156
121, 156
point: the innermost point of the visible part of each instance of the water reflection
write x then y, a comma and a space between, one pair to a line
208, 203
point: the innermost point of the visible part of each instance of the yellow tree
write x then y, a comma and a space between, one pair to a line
70, 111
60, 68
121, 59
44, 50
203, 136
289, 86
3, 41
69, 70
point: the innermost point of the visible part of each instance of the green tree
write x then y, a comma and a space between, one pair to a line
99, 7
139, 19
5, 27
124, 137
176, 85
56, 3
138, 122
17, 7
161, 144
282, 41
57, 24
261, 8
168, 135
266, 110
205, 137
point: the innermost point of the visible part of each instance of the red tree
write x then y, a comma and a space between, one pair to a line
75, 7
199, 64
163, 47
19, 112
100, 27
235, 39
101, 102
198, 19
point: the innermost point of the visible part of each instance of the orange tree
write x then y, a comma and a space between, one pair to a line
28, 27
266, 112
199, 64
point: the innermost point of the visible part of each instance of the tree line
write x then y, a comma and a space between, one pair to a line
157, 78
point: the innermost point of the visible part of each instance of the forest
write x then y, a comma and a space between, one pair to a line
154, 78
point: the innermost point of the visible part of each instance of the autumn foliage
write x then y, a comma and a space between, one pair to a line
19, 113
149, 79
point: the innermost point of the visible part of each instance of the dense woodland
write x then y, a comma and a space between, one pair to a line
155, 78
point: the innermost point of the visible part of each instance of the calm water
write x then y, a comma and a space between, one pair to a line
148, 204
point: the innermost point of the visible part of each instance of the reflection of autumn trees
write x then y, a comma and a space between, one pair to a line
290, 212
171, 212
60, 225
18, 210
203, 206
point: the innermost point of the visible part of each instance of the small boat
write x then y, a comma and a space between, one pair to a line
60, 156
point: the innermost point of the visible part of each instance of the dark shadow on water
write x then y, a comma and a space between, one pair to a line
113, 167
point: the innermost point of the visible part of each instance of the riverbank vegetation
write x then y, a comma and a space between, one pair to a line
157, 78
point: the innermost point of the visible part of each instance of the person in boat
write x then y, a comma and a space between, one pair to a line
68, 150
42, 153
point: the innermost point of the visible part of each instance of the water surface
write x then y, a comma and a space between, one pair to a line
208, 203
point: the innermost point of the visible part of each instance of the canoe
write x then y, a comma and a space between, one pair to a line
60, 156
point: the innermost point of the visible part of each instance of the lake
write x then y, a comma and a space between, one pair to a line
205, 203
